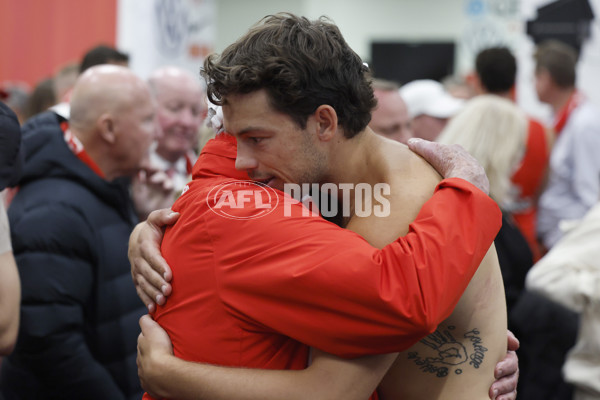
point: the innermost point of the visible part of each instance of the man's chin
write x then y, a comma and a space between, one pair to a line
275, 183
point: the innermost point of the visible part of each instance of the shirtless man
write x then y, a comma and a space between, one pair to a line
395, 385
463, 352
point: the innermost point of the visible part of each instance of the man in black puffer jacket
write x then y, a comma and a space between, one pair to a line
71, 221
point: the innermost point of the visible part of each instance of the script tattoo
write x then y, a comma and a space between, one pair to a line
445, 354
478, 349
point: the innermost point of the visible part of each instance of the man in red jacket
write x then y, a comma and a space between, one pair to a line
255, 284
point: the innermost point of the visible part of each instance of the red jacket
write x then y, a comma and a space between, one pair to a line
255, 292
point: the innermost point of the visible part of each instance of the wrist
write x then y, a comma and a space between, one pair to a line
159, 378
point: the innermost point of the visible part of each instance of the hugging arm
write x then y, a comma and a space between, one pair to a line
165, 376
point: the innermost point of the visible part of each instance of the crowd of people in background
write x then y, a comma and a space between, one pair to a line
70, 322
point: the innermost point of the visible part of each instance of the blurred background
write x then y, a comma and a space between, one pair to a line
402, 40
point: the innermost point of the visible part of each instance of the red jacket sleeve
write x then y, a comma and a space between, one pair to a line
327, 287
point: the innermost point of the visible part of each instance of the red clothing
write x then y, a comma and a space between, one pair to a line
561, 118
256, 292
529, 178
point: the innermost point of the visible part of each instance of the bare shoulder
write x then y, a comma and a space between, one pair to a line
411, 182
410, 176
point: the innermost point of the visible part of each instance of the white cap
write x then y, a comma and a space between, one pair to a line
426, 96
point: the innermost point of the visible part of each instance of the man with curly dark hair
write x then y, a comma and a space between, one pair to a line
298, 100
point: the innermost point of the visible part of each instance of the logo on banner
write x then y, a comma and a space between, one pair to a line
172, 26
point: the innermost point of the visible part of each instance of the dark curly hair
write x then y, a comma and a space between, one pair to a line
302, 64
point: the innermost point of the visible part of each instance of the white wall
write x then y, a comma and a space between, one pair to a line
360, 21
404, 20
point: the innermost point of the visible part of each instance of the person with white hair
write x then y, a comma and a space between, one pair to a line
181, 109
494, 131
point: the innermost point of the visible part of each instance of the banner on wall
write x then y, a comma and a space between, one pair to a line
156, 33
489, 23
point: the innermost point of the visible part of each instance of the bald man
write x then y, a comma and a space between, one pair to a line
70, 224
390, 118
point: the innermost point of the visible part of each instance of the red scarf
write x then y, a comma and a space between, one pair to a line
563, 115
77, 148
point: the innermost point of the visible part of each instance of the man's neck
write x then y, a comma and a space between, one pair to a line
560, 99
96, 153
358, 161
505, 95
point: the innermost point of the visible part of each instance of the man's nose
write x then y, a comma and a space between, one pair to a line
189, 119
244, 160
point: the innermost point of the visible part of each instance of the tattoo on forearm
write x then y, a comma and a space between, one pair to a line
447, 355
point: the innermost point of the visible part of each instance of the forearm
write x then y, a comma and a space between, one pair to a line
328, 377
10, 298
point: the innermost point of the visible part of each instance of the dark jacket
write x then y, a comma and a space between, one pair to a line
545, 329
11, 157
79, 310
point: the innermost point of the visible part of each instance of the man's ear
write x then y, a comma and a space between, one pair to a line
106, 126
327, 122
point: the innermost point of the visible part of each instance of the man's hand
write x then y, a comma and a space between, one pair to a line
451, 161
149, 270
151, 190
507, 373
154, 345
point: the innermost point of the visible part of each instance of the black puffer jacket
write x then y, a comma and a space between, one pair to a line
79, 310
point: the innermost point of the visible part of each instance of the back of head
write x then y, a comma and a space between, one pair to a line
103, 89
301, 64
15, 95
493, 130
103, 54
65, 79
560, 60
497, 69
